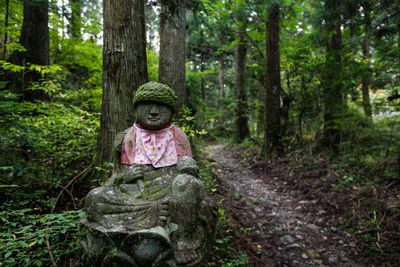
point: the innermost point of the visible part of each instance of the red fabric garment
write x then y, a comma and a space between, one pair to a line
182, 145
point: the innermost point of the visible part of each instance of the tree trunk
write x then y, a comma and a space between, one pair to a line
62, 20
202, 83
398, 26
124, 69
6, 31
221, 87
172, 48
367, 57
75, 21
221, 57
35, 38
242, 127
333, 91
35, 32
272, 140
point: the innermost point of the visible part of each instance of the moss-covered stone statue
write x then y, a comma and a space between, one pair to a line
154, 210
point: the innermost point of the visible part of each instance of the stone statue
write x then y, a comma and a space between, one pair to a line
154, 210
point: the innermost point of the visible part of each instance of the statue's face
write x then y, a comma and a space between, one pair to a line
153, 116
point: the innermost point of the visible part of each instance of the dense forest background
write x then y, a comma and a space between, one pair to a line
290, 79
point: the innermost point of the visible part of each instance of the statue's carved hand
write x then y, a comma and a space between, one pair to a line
163, 210
129, 175
133, 174
187, 165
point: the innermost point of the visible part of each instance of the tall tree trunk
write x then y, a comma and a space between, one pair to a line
333, 91
272, 140
398, 25
172, 48
62, 20
75, 20
35, 38
221, 87
202, 67
367, 57
35, 32
124, 69
202, 84
242, 127
221, 57
6, 31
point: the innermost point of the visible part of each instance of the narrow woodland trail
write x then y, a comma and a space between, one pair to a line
278, 225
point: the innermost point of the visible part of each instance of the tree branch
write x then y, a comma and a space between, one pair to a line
256, 46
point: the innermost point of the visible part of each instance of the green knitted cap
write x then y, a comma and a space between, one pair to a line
157, 92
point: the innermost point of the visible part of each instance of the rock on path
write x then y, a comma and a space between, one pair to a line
282, 226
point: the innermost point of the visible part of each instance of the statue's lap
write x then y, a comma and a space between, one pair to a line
161, 206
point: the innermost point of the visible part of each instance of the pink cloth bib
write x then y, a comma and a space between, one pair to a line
155, 147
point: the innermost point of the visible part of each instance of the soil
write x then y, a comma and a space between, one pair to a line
279, 217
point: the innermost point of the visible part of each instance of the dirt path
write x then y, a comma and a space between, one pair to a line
279, 225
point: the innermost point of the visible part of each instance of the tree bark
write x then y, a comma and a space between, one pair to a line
124, 69
367, 57
35, 39
75, 20
221, 57
35, 32
398, 26
202, 83
333, 91
172, 48
221, 87
242, 127
272, 138
6, 30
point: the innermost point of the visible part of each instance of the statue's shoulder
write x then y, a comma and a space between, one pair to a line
121, 136
178, 131
182, 142
129, 134
127, 144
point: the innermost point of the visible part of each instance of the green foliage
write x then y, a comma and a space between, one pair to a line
14, 26
206, 175
23, 234
187, 123
152, 64
372, 148
82, 62
226, 255
43, 144
43, 70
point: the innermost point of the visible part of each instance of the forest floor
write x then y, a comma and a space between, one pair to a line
282, 216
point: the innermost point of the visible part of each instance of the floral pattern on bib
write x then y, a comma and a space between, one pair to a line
155, 147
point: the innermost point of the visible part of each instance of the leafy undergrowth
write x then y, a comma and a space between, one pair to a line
43, 146
27, 238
